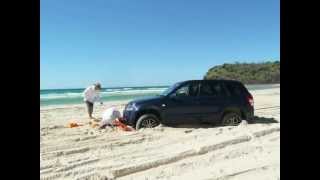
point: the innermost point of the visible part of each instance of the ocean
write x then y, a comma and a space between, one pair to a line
74, 96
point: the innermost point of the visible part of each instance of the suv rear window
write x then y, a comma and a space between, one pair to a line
235, 89
211, 89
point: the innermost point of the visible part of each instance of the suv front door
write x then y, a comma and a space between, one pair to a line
182, 106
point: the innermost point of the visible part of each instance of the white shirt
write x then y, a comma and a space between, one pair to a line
109, 115
91, 95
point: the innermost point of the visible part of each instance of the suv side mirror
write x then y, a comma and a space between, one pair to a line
181, 93
173, 95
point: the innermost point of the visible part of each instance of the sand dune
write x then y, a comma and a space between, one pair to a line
248, 151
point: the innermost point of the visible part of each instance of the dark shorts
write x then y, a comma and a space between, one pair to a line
89, 107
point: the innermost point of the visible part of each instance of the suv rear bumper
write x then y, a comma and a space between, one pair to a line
249, 115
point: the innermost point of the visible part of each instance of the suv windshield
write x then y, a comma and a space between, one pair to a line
169, 90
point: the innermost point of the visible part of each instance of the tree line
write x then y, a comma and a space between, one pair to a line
248, 73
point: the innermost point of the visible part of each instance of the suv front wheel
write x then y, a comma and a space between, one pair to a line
147, 121
231, 119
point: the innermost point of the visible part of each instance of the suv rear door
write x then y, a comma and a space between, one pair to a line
211, 100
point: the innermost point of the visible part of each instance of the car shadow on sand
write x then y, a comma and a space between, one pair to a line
256, 120
263, 120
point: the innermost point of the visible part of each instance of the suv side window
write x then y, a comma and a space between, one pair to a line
187, 90
211, 89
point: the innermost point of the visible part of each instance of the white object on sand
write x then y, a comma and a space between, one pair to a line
244, 122
109, 115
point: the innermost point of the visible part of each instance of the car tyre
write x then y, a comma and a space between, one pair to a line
231, 119
147, 121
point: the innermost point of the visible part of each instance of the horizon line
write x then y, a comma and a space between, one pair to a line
112, 87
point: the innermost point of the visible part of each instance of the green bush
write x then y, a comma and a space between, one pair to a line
248, 73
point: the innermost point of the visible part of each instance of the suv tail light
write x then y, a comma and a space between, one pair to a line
250, 100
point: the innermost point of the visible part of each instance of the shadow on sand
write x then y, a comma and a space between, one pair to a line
256, 120
263, 120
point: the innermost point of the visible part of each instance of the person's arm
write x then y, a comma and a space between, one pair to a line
98, 99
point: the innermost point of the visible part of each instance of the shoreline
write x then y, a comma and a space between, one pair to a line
123, 102
143, 87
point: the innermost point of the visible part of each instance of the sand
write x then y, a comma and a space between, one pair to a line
247, 151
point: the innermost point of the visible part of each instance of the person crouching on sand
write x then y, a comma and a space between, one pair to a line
91, 95
112, 117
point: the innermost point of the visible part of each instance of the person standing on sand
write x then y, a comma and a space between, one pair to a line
91, 95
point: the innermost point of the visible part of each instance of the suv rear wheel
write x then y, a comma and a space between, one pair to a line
147, 121
231, 119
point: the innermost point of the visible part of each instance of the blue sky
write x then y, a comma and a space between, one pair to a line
145, 42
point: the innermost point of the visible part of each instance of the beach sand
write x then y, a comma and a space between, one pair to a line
247, 151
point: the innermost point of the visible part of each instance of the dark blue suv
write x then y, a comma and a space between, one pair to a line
225, 102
